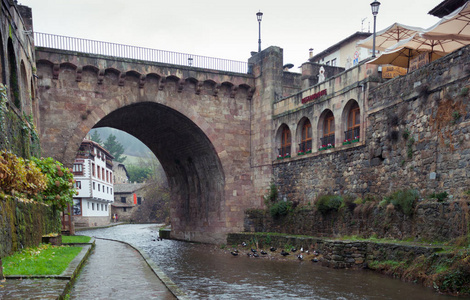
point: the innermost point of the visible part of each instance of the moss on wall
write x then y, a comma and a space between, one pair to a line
22, 224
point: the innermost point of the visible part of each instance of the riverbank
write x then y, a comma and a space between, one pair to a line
445, 268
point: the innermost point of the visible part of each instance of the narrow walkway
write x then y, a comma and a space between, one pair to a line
116, 271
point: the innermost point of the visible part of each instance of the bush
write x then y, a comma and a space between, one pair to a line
280, 208
439, 196
403, 200
327, 203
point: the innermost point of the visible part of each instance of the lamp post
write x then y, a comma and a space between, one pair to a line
259, 16
375, 10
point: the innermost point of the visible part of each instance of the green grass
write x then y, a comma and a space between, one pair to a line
43, 260
70, 239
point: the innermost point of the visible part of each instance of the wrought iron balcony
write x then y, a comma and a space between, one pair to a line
352, 134
328, 140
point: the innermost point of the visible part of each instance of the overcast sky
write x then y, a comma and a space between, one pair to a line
224, 29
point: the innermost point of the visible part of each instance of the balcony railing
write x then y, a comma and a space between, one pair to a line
328, 140
284, 152
305, 146
352, 134
125, 51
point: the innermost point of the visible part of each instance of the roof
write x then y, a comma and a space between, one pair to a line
357, 35
95, 144
446, 7
127, 187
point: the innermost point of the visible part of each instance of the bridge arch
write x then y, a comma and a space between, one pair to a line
197, 123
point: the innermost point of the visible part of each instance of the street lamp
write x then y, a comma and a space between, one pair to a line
375, 10
259, 16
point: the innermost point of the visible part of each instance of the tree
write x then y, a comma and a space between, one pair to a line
95, 137
115, 148
138, 173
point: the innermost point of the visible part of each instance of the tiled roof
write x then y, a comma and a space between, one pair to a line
127, 187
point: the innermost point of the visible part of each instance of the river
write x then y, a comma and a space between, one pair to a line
206, 272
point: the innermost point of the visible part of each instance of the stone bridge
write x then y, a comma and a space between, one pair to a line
197, 122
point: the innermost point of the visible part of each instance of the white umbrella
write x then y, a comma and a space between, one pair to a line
399, 57
390, 36
455, 24
422, 43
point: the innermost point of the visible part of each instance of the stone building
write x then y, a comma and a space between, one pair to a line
120, 173
93, 175
127, 198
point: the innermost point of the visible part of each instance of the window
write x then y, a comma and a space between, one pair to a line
333, 62
306, 138
78, 185
99, 185
92, 206
102, 173
77, 207
98, 170
354, 124
106, 207
88, 205
93, 169
123, 199
93, 186
139, 200
97, 206
328, 139
285, 142
102, 207
124, 209
77, 169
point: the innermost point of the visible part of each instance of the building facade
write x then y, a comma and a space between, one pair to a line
93, 172
127, 199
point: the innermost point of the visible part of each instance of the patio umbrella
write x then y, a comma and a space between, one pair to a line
455, 24
390, 36
442, 46
400, 57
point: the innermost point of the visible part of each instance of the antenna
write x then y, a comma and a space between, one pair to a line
362, 24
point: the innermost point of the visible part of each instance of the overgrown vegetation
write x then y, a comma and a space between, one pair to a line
277, 208
42, 260
42, 180
327, 203
404, 200
439, 196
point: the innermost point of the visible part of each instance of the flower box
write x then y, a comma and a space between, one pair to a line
322, 148
308, 151
347, 142
355, 140
300, 153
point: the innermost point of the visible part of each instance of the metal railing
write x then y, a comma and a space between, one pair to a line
352, 134
328, 140
47, 40
284, 151
305, 146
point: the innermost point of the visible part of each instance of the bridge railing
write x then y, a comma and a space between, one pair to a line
125, 51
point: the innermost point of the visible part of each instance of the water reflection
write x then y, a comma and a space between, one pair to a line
205, 272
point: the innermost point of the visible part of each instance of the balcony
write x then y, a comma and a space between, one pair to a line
351, 136
327, 142
305, 147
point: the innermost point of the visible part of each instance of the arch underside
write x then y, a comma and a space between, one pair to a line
192, 166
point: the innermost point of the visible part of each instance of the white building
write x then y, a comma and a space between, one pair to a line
93, 173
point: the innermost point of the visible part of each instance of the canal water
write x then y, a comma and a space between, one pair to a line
205, 272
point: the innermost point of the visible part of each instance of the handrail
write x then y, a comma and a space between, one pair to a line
133, 52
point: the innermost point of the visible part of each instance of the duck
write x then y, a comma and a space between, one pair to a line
300, 257
272, 249
314, 260
294, 249
284, 253
248, 254
316, 253
234, 253
302, 249
255, 255
243, 244
253, 250
263, 252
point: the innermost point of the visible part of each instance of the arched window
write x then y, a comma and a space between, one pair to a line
14, 87
328, 139
306, 138
285, 149
354, 124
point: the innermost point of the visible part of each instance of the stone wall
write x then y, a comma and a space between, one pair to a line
334, 253
416, 137
22, 224
430, 221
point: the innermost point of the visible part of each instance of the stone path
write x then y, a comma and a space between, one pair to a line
117, 271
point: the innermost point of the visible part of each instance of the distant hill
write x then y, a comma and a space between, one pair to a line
133, 147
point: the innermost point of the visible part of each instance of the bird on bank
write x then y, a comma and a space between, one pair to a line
263, 252
253, 250
284, 253
300, 257
314, 260
273, 249
234, 253
243, 244
294, 249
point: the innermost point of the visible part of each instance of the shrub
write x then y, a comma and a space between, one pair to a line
272, 194
403, 200
327, 203
280, 208
348, 201
439, 196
